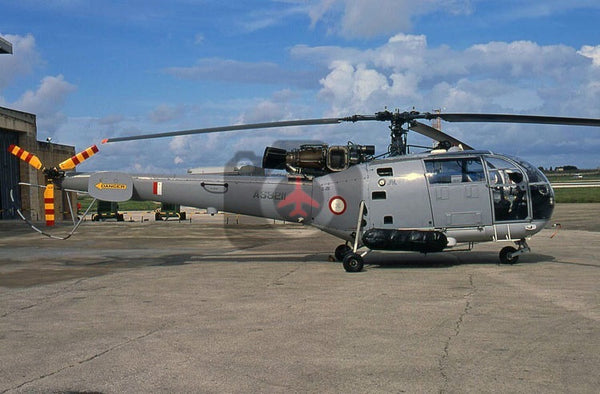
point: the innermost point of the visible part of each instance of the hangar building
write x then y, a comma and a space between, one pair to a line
19, 128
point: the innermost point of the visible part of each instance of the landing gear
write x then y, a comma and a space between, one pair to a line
506, 255
510, 255
353, 262
341, 251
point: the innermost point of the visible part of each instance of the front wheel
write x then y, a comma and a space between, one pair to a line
506, 255
353, 262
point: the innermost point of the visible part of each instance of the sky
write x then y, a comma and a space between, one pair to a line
90, 70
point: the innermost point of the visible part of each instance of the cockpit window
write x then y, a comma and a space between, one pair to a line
454, 170
542, 196
509, 189
534, 174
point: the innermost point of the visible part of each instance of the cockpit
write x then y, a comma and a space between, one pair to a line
519, 190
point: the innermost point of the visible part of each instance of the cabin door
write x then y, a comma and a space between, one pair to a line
458, 192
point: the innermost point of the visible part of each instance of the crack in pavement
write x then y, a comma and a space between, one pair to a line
47, 298
81, 362
279, 281
443, 361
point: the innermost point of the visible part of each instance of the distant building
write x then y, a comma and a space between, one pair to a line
5, 46
566, 168
19, 128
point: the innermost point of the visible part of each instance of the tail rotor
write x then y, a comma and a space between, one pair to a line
27, 157
49, 204
52, 174
71, 163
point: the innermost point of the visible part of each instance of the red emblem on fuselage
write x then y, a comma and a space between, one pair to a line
298, 198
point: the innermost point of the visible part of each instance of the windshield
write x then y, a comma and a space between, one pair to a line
540, 193
533, 173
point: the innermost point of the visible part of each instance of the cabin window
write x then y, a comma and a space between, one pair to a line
388, 220
385, 171
455, 170
378, 195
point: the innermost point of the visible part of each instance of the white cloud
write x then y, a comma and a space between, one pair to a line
365, 18
503, 77
592, 52
23, 60
509, 76
165, 113
230, 70
46, 102
111, 120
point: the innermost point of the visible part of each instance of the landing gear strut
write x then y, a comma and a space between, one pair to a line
510, 255
351, 260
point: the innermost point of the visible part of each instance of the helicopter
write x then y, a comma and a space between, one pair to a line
447, 197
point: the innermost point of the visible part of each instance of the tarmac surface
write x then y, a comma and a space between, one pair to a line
253, 306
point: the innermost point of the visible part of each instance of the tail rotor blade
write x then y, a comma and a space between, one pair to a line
49, 204
70, 163
27, 157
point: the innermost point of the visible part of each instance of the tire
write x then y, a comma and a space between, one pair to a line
353, 262
341, 251
504, 255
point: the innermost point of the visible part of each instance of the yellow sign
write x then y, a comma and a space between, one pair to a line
110, 186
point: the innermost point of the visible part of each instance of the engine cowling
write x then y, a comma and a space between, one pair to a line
317, 159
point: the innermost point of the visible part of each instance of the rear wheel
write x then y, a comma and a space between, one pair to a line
353, 262
506, 255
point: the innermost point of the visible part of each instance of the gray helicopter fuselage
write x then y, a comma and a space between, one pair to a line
469, 196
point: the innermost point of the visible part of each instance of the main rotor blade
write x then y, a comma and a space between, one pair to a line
394, 117
506, 118
436, 134
287, 123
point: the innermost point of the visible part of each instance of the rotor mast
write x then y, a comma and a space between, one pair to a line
398, 146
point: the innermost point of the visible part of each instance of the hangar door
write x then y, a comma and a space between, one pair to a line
9, 175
